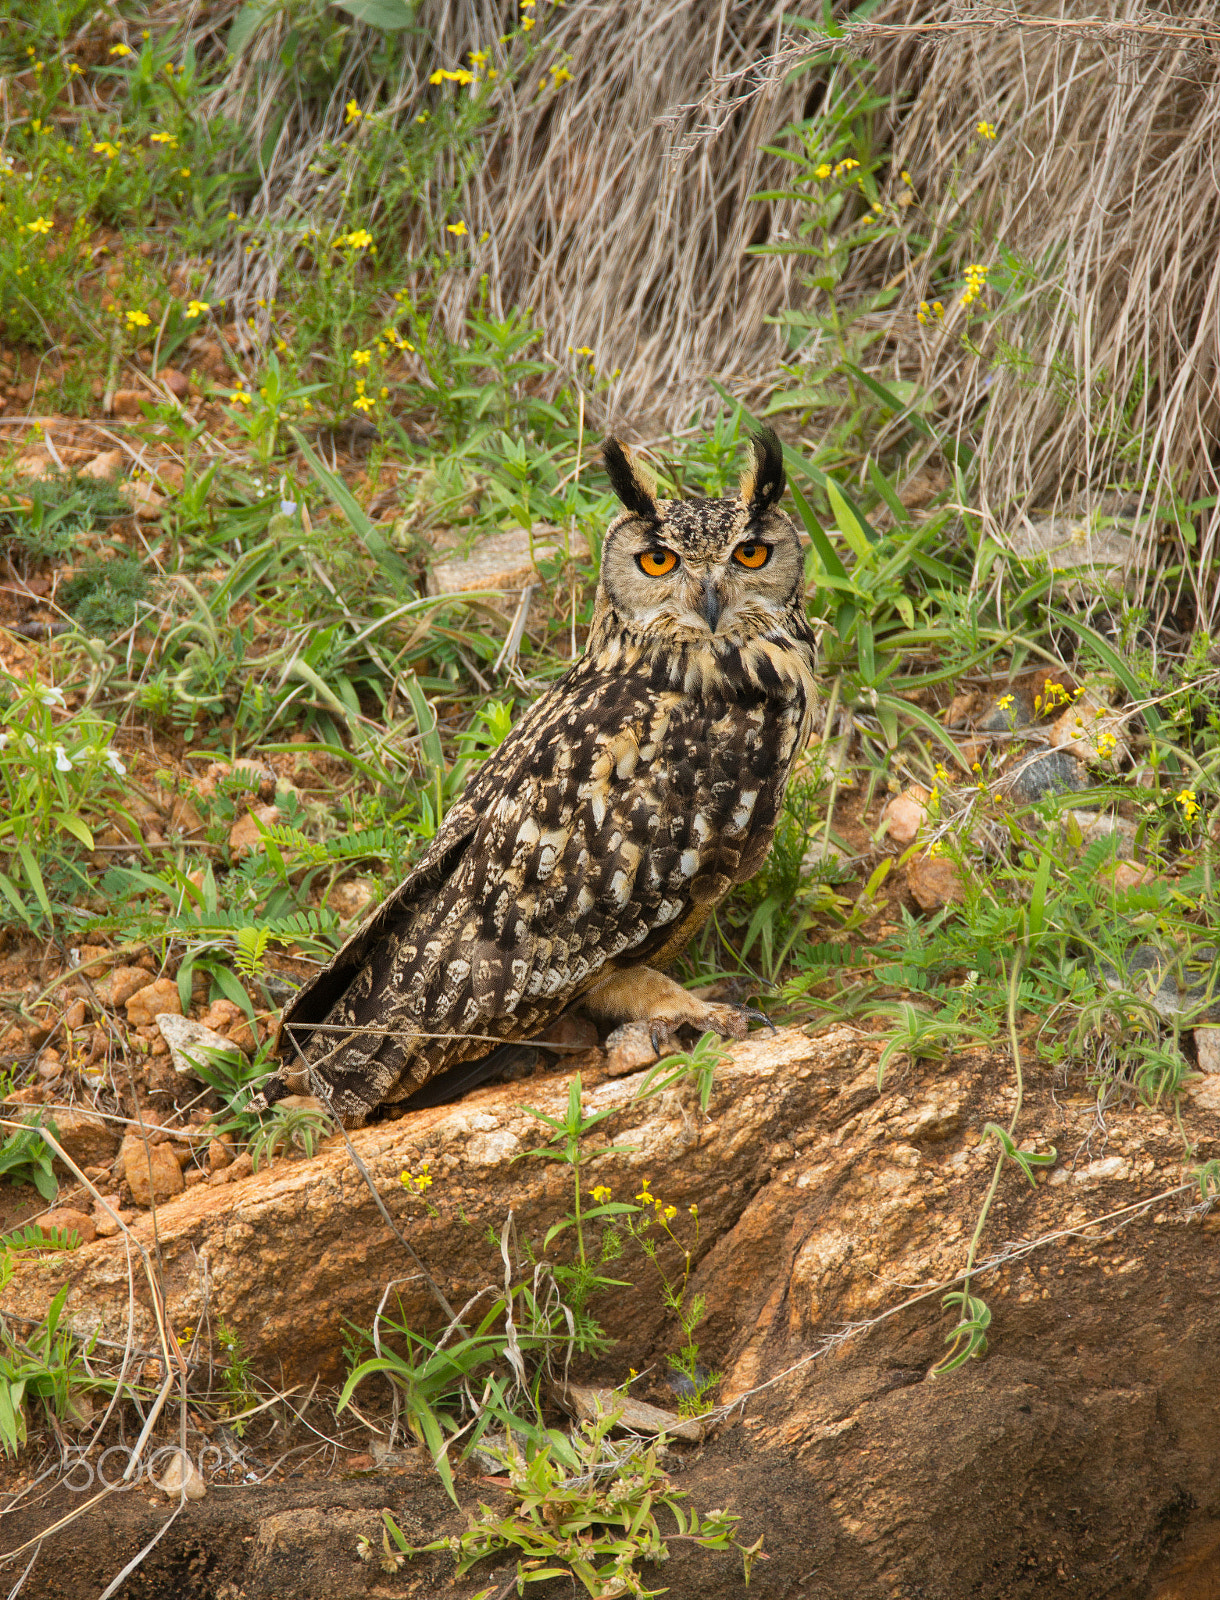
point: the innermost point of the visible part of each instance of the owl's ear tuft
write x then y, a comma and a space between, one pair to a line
634, 486
762, 485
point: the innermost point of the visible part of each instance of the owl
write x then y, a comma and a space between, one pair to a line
619, 811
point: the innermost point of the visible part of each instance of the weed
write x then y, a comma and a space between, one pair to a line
592, 1517
27, 1158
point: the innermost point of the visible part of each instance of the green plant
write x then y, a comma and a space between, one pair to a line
696, 1383
56, 767
581, 1278
698, 1064
236, 1378
48, 1367
593, 1519
25, 1157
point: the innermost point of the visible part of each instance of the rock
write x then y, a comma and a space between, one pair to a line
76, 1015
157, 998
143, 499
501, 561
629, 1048
905, 814
353, 898
1207, 1048
823, 1276
187, 1040
70, 1221
241, 1167
1130, 874
152, 1173
227, 1017
219, 1155
107, 465
934, 881
180, 1477
86, 1137
176, 382
1055, 772
1006, 712
50, 1063
128, 402
635, 1415
122, 983
1088, 549
105, 1225
244, 835
1091, 731
1172, 983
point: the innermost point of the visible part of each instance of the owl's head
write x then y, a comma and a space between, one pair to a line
694, 569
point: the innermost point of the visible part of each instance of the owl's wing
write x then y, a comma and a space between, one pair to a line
314, 999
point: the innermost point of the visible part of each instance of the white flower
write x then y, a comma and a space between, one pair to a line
62, 761
53, 697
112, 756
288, 507
3, 740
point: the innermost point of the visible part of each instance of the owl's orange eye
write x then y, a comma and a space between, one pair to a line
752, 554
656, 563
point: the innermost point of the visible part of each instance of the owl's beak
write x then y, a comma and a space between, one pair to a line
710, 605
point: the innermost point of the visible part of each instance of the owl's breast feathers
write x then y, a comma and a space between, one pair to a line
627, 801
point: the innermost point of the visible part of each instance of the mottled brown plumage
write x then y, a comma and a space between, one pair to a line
622, 807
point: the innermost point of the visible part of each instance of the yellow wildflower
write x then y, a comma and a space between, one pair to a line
184, 172
163, 138
824, 171
360, 358
105, 148
601, 1194
39, 225
1189, 803
120, 50
138, 319
560, 75
456, 228
352, 112
986, 129
196, 308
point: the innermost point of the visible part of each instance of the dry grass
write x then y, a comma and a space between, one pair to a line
614, 245
626, 236
1104, 178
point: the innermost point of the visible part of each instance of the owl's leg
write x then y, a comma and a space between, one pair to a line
641, 994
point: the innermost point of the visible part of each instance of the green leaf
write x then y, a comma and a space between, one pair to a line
34, 875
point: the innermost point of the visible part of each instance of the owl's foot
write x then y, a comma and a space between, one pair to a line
642, 997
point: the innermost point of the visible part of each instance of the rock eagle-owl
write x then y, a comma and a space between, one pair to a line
623, 806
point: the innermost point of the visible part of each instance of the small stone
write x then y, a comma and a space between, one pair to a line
127, 402
1056, 772
158, 998
244, 835
176, 382
934, 881
242, 1167
1207, 1047
194, 1175
181, 1477
70, 1221
122, 983
143, 499
222, 1014
219, 1156
152, 1173
50, 1064
906, 814
189, 1041
105, 1225
629, 1048
85, 1137
352, 898
1090, 730
1130, 874
75, 1015
107, 465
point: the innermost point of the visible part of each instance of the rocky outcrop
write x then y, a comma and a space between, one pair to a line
1076, 1458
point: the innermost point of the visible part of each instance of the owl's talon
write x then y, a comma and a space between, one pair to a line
759, 1016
